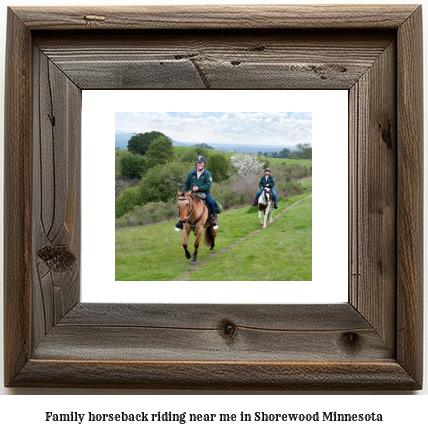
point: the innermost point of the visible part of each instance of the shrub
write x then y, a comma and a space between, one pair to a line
219, 167
132, 166
160, 151
161, 182
122, 184
246, 164
127, 201
153, 212
189, 156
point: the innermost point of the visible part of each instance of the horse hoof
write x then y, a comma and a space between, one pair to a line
188, 256
264, 227
212, 248
193, 263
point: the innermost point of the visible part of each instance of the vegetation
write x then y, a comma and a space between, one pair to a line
219, 167
203, 145
140, 143
160, 151
132, 166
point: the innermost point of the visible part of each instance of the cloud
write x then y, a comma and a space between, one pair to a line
258, 128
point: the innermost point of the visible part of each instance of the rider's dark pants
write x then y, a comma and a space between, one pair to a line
211, 204
261, 191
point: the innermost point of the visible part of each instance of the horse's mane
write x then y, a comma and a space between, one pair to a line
196, 197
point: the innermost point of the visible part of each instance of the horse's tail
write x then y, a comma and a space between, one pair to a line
208, 236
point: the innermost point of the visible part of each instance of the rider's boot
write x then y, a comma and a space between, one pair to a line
255, 203
275, 205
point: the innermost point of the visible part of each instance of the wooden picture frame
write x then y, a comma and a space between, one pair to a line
372, 342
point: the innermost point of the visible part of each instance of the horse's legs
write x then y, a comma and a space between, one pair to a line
260, 217
186, 232
271, 214
213, 233
266, 216
198, 239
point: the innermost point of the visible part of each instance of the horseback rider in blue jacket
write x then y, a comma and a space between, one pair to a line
266, 181
200, 180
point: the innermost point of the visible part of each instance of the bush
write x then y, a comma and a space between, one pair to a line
202, 151
219, 167
161, 182
189, 156
160, 151
127, 201
122, 184
132, 166
246, 164
153, 212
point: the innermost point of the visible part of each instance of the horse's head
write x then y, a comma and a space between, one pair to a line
184, 199
268, 194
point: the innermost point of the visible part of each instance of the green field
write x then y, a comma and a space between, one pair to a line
244, 251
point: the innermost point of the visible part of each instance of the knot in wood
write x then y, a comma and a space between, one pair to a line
227, 329
351, 340
58, 259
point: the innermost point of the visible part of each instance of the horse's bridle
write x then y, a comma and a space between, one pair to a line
269, 194
189, 213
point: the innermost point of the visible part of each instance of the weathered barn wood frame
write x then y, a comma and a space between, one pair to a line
372, 342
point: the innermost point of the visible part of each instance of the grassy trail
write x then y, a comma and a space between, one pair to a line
244, 251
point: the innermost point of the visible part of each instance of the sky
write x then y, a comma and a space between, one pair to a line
249, 128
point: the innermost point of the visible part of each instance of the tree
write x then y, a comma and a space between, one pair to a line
306, 150
219, 167
203, 152
160, 151
202, 145
140, 143
246, 164
284, 153
189, 155
132, 166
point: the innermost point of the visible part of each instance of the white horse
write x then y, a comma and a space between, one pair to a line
266, 205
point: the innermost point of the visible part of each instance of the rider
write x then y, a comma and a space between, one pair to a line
201, 180
267, 181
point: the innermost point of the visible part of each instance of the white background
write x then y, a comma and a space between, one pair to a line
330, 197
401, 412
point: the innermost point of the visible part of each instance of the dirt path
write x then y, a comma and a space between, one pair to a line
194, 268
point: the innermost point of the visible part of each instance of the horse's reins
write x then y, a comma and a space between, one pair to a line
189, 213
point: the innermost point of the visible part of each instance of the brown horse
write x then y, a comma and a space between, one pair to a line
194, 216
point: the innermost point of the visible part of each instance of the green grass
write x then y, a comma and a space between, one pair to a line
282, 251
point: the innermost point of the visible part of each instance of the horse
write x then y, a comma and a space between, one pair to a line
194, 216
265, 204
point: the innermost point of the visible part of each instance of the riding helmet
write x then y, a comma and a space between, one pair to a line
200, 159
267, 169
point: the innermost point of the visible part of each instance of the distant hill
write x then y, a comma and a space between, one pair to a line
121, 141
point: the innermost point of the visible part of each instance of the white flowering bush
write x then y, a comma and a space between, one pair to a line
246, 164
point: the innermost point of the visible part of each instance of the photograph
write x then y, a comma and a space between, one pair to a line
213, 196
